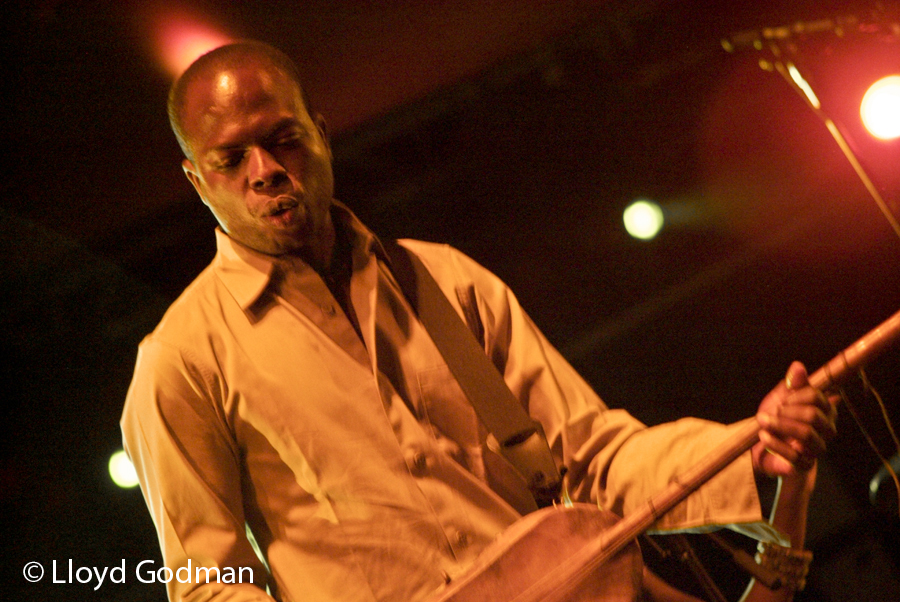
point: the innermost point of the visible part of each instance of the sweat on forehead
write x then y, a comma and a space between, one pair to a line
230, 57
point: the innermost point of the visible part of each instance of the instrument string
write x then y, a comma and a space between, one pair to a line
868, 437
882, 406
689, 557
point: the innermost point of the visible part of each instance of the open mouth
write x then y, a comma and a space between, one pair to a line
281, 206
284, 212
280, 211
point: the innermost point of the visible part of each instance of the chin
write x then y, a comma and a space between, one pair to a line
286, 246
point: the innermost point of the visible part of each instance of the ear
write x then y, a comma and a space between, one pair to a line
193, 177
322, 127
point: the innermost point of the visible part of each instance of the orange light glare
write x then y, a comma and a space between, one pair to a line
181, 39
880, 108
804, 86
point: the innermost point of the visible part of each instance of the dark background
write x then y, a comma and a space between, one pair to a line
515, 130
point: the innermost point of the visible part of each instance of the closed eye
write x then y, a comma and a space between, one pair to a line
289, 140
229, 160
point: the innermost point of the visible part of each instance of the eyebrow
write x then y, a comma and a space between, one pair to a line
280, 126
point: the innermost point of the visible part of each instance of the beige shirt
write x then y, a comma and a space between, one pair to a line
259, 420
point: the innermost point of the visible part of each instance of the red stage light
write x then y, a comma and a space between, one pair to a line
180, 37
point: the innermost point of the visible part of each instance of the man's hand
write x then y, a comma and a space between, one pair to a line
797, 421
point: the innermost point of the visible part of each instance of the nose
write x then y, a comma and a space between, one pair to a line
264, 170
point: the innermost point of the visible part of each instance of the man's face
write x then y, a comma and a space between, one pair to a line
259, 160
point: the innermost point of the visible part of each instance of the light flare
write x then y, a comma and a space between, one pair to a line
880, 108
180, 37
804, 86
643, 219
121, 470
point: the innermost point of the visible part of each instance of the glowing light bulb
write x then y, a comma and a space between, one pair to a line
122, 470
643, 219
880, 108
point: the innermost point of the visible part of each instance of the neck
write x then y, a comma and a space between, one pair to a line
320, 255
319, 252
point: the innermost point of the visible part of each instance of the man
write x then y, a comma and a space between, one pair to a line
291, 416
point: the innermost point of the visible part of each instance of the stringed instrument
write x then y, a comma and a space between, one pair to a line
578, 553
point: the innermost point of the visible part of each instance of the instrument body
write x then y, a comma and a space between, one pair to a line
579, 553
533, 561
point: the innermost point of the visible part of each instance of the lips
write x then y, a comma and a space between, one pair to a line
284, 212
280, 205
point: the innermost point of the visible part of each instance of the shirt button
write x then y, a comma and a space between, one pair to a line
462, 540
329, 310
420, 462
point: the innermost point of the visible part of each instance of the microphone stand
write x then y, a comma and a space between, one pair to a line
770, 37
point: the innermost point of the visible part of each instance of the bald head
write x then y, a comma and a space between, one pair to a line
203, 72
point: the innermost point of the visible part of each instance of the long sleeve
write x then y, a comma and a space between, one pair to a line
188, 465
249, 413
364, 475
612, 459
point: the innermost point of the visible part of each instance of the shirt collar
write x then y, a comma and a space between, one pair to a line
247, 273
